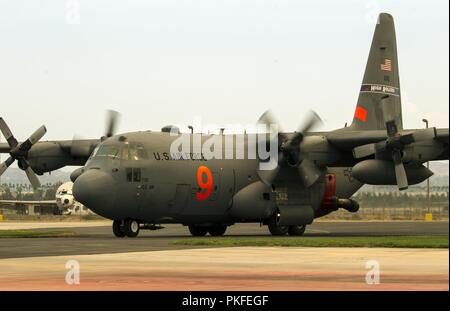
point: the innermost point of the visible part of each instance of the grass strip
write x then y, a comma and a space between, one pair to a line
375, 241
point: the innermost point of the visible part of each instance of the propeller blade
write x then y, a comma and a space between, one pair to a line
386, 108
309, 172
34, 138
34, 180
363, 151
400, 173
268, 176
37, 135
290, 148
111, 122
12, 141
389, 119
268, 119
312, 120
4, 166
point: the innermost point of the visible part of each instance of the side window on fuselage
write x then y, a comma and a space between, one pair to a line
133, 174
136, 174
129, 174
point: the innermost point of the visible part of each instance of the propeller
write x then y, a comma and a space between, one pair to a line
82, 148
394, 143
289, 150
111, 122
19, 152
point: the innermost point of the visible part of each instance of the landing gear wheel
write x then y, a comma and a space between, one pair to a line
117, 229
217, 230
275, 228
297, 230
131, 228
196, 230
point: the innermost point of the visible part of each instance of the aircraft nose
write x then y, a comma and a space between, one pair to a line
95, 189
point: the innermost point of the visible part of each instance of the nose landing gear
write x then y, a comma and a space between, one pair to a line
128, 227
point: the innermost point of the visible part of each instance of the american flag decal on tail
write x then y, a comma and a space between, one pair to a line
387, 66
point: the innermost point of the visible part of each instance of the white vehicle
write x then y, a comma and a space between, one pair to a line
67, 204
64, 201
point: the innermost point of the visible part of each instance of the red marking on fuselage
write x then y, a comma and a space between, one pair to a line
204, 186
330, 190
361, 114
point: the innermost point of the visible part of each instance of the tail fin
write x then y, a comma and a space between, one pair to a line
380, 80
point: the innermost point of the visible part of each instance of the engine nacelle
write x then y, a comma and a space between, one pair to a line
420, 153
380, 172
256, 201
47, 156
76, 173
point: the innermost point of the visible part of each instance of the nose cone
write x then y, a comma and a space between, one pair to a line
96, 190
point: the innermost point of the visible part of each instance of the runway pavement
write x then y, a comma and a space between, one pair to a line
236, 268
99, 239
150, 262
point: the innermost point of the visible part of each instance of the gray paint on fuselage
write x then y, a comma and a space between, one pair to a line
167, 188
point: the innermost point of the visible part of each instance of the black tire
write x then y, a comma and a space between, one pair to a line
275, 228
131, 228
297, 230
217, 230
196, 230
117, 229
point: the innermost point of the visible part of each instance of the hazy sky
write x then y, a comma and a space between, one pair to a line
166, 61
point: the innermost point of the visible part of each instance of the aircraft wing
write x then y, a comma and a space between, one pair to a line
347, 139
46, 156
442, 136
79, 147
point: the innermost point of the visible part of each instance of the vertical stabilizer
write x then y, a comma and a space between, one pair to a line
381, 81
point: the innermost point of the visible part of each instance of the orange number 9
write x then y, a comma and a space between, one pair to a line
206, 187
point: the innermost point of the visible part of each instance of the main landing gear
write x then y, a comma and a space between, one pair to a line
213, 230
278, 230
128, 227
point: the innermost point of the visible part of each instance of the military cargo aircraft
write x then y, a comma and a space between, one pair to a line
135, 180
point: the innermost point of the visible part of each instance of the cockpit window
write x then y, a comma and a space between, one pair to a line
137, 152
106, 151
127, 151
134, 151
